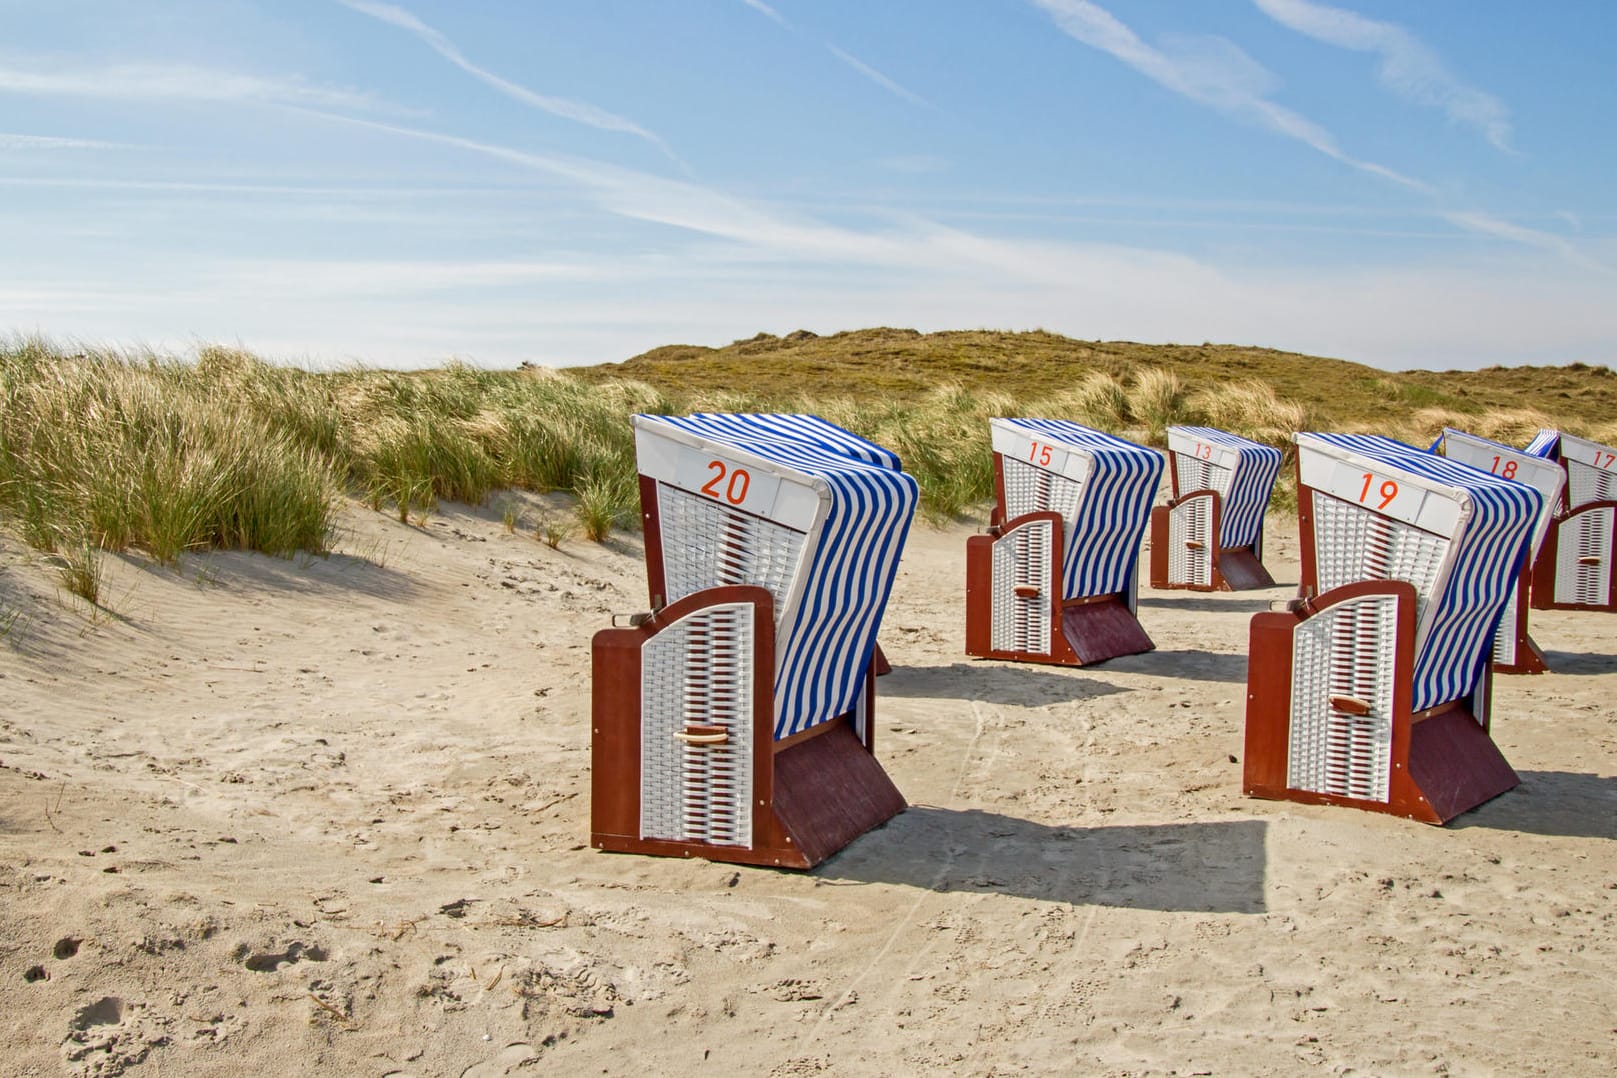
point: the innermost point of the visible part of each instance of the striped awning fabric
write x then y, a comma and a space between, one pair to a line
1245, 503
1488, 536
826, 628
1544, 444
1107, 520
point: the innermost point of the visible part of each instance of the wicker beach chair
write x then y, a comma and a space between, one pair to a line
1574, 566
1373, 691
1056, 578
736, 721
1209, 537
1514, 651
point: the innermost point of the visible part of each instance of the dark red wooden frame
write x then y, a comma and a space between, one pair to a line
1443, 761
1543, 593
1083, 631
813, 792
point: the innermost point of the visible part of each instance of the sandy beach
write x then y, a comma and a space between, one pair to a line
330, 816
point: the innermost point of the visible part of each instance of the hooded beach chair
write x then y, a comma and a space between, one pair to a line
1573, 570
1056, 578
1209, 537
736, 721
1514, 651
1373, 690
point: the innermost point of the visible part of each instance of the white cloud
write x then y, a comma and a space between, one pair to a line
1407, 67
565, 108
10, 141
1213, 72
175, 82
760, 6
876, 76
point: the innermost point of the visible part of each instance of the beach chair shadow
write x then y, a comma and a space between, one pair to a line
1562, 804
990, 683
1193, 663
1580, 662
1211, 867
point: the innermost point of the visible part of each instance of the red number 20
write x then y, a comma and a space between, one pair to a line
735, 491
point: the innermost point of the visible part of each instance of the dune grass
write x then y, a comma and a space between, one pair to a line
106, 451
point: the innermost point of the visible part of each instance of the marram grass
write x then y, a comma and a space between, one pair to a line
104, 451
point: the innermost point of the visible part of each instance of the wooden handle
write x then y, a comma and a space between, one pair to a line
1191, 544
1026, 591
702, 739
1350, 705
1590, 559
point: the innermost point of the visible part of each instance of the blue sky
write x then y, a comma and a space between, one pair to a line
574, 181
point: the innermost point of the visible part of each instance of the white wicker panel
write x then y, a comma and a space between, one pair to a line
1190, 542
1352, 543
1029, 489
698, 670
1197, 474
1585, 483
707, 544
1022, 556
1504, 642
1344, 651
1583, 559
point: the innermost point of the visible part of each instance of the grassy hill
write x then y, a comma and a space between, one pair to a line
902, 364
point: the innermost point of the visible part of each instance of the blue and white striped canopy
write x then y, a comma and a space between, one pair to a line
1247, 500
1544, 444
1483, 558
1105, 527
826, 633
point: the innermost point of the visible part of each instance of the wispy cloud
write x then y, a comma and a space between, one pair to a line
1408, 68
10, 141
175, 82
1488, 225
877, 77
759, 5
1211, 72
565, 108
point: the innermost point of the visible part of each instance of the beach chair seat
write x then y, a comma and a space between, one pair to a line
736, 720
1514, 650
1373, 689
1209, 537
1056, 578
1573, 570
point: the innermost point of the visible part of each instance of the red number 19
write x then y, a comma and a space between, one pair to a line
1388, 491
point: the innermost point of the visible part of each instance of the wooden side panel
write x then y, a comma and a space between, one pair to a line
1268, 705
615, 735
979, 595
1158, 568
1455, 764
1238, 569
829, 790
1102, 629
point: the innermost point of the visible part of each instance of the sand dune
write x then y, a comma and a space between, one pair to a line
330, 816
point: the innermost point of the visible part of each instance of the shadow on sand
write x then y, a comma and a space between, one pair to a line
1213, 867
993, 682
1580, 662
1194, 664
1567, 804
